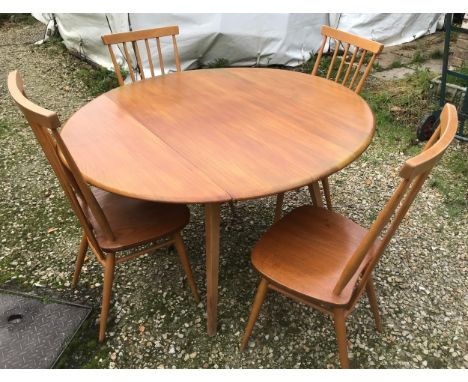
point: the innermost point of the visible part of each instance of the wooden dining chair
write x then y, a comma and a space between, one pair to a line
351, 62
325, 260
116, 228
141, 41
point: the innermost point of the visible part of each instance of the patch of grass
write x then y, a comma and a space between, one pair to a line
309, 64
218, 63
324, 65
25, 18
371, 217
5, 17
451, 179
398, 107
6, 275
377, 67
84, 351
437, 54
418, 58
459, 81
391, 133
423, 79
98, 80
4, 129
54, 44
55, 39
396, 64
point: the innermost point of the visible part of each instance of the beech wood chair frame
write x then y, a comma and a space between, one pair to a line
351, 62
360, 265
45, 125
132, 39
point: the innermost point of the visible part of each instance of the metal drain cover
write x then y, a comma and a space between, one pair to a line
33, 334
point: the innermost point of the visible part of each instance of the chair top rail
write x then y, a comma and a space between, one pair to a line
117, 38
352, 39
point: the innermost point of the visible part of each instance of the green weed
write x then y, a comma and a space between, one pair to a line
396, 64
218, 63
418, 58
459, 81
437, 54
377, 67
54, 45
423, 79
84, 351
98, 80
25, 18
398, 107
451, 179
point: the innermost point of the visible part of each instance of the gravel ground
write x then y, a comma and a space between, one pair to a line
421, 282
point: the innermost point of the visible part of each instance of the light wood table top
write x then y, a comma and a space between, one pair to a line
216, 135
210, 136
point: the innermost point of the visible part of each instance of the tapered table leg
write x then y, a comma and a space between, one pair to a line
315, 195
212, 219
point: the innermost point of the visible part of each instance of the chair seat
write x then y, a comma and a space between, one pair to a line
135, 221
305, 252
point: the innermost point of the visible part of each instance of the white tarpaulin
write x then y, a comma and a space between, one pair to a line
391, 28
242, 39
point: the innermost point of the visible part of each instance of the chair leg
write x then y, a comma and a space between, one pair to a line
315, 195
109, 268
180, 247
171, 249
80, 259
326, 191
340, 330
373, 303
257, 304
278, 207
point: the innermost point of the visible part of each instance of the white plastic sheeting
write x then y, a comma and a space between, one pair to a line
391, 28
242, 39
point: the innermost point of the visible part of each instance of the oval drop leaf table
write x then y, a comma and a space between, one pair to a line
216, 135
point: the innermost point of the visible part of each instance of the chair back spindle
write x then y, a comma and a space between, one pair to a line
140, 42
348, 72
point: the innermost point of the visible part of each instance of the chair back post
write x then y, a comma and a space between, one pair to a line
319, 56
83, 188
45, 124
413, 173
116, 66
176, 53
133, 38
348, 70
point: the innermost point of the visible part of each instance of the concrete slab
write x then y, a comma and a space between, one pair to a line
33, 333
433, 65
405, 54
387, 59
393, 74
425, 46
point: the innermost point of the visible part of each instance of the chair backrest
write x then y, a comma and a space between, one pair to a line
45, 124
144, 38
347, 69
413, 173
